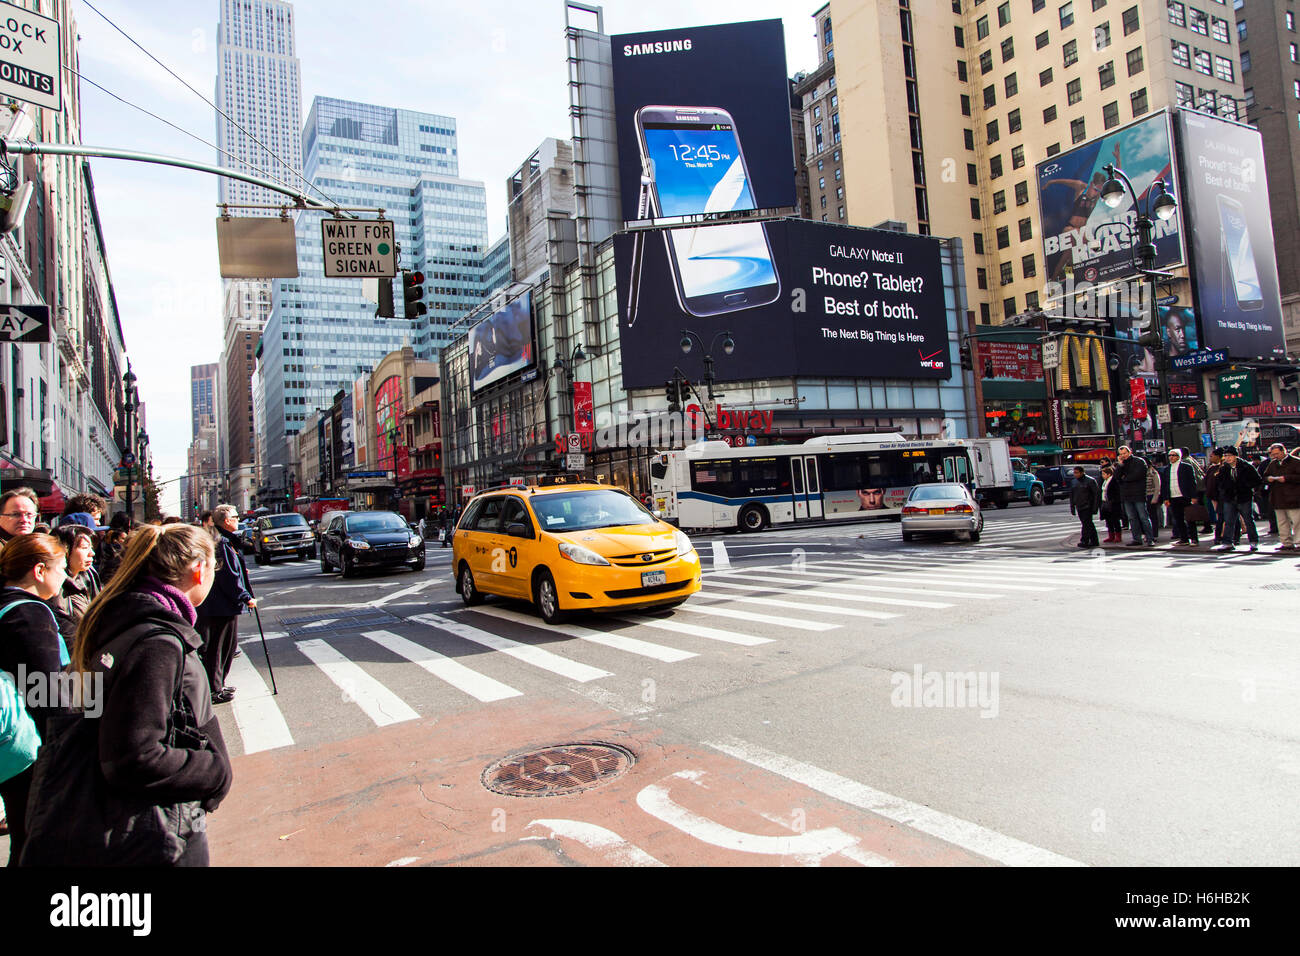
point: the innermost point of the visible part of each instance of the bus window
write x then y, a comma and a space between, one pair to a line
796, 468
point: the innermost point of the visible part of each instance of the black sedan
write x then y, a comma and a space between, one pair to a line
369, 539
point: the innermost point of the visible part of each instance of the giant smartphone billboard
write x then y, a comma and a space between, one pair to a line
1084, 237
798, 297
1234, 269
501, 344
703, 120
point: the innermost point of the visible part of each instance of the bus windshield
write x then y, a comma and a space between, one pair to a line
584, 510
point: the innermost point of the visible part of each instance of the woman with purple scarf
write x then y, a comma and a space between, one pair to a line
158, 741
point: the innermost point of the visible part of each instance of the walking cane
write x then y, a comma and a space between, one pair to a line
274, 690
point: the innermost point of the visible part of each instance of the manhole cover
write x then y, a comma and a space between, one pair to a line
553, 771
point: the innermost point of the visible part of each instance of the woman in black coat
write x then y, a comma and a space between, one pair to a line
33, 568
165, 572
1111, 507
231, 593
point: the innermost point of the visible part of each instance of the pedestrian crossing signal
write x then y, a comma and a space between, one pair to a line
1196, 412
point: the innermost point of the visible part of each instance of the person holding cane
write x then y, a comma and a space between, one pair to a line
231, 595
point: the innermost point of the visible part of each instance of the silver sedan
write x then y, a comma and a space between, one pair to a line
943, 508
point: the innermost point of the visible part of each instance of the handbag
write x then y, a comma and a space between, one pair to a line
19, 739
76, 818
1196, 512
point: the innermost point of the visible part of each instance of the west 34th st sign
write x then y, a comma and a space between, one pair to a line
24, 323
359, 248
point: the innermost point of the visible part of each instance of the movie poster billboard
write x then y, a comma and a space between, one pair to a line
798, 297
703, 120
502, 343
1084, 237
1234, 266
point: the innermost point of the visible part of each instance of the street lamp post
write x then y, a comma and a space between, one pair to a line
561, 365
1162, 203
130, 398
689, 338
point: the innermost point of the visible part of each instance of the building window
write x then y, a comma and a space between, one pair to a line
1219, 30
1201, 60
974, 207
991, 132
1228, 108
969, 135
1106, 75
1045, 77
959, 37
1005, 273
1041, 40
961, 70
1066, 14
1182, 54
1017, 157
1074, 91
1184, 95
1026, 229
1177, 13
1097, 5
1070, 53
985, 316
981, 277
1130, 18
1208, 101
1138, 100
999, 202
1223, 69
972, 174
1008, 49
1004, 239
1053, 149
1027, 266
1101, 36
1031, 301
982, 27
1038, 5
1013, 121
1245, 60
995, 166
1110, 115
1290, 21
1241, 30
1022, 193
979, 243
1199, 22
990, 96
1004, 14
1011, 85
1077, 131
1135, 64
986, 62
1009, 306
1049, 114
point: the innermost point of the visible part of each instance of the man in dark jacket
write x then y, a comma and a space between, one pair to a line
231, 593
1085, 499
1213, 497
1282, 475
1238, 480
1131, 473
1178, 487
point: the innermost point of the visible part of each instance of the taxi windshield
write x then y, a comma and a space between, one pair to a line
584, 510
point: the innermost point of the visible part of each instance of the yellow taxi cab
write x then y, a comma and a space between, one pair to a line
568, 547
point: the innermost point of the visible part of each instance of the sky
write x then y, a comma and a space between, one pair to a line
498, 67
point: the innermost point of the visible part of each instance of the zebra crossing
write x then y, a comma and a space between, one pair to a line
355, 672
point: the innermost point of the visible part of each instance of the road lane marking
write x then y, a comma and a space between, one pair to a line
522, 652
969, 836
796, 623
694, 630
720, 559
378, 702
669, 655
616, 850
822, 593
257, 715
796, 605
464, 679
839, 580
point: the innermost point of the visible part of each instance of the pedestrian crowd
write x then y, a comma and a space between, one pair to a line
115, 645
1225, 497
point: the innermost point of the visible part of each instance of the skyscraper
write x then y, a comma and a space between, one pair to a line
259, 91
322, 333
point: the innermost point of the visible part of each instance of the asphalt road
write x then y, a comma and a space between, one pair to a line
832, 696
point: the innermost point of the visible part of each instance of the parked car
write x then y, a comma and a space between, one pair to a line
245, 533
942, 508
353, 540
275, 536
571, 547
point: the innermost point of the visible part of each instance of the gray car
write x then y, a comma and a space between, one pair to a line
941, 508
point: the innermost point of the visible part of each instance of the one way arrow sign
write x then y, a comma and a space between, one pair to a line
25, 323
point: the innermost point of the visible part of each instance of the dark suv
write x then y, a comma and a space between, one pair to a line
277, 535
1059, 479
354, 540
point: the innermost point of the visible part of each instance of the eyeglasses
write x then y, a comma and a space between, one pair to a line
19, 514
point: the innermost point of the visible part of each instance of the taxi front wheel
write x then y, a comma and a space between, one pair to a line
468, 592
547, 598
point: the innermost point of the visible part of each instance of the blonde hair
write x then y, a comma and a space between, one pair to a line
166, 553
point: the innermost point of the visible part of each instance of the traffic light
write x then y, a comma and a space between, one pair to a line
673, 396
684, 391
1190, 414
967, 363
385, 307
413, 293
1151, 336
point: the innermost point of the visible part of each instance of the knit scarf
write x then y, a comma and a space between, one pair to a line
170, 597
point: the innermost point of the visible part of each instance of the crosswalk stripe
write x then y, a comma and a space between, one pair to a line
795, 623
257, 715
669, 655
840, 580
694, 630
378, 702
938, 578
798, 606
471, 682
976, 573
822, 593
522, 652
720, 559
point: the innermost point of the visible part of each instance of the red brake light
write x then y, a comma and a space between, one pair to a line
962, 510
910, 510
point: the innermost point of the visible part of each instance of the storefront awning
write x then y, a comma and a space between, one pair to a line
1043, 449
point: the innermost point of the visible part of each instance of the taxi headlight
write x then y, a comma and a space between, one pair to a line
357, 543
683, 543
580, 555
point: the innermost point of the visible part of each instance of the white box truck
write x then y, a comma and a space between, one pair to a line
1002, 479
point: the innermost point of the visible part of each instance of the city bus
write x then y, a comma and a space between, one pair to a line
834, 478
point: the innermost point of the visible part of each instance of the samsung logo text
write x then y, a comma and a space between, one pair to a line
645, 49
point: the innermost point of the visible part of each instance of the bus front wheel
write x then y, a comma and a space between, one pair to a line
752, 518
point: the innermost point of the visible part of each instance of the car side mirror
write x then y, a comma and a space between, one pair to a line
657, 513
518, 530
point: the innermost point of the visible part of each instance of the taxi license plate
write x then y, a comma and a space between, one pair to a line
651, 578
936, 511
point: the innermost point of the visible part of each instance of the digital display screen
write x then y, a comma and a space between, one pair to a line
720, 259
502, 343
697, 169
1240, 254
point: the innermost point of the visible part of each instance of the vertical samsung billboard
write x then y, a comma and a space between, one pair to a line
1082, 236
703, 120
1234, 265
